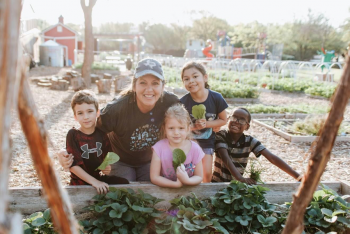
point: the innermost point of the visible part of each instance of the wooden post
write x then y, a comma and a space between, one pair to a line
320, 156
36, 135
10, 11
104, 85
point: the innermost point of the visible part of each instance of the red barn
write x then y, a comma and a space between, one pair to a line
64, 36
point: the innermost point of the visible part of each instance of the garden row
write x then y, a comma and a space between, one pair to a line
237, 208
229, 84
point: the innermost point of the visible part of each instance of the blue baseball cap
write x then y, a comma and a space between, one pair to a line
149, 66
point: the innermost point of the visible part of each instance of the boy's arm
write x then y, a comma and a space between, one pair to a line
231, 167
100, 186
197, 177
159, 180
277, 161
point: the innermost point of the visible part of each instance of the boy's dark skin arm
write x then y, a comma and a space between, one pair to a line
231, 167
277, 161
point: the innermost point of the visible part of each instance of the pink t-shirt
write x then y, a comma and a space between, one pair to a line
165, 154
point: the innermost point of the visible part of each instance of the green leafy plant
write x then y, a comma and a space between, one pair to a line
198, 111
39, 223
254, 171
109, 159
179, 157
121, 211
188, 215
327, 212
242, 208
299, 108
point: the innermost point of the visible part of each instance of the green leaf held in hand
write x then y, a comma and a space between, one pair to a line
109, 159
198, 111
179, 157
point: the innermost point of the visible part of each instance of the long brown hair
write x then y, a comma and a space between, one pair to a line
178, 112
199, 66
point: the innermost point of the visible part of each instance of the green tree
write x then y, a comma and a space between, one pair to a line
161, 37
207, 27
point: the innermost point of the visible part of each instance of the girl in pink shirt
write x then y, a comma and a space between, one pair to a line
175, 134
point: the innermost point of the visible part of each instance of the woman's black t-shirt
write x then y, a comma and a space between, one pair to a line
131, 132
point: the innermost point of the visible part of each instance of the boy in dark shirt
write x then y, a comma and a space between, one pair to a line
89, 145
233, 149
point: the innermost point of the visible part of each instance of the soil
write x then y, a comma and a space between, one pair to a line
54, 107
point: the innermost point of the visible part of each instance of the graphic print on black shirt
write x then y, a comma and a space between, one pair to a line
144, 137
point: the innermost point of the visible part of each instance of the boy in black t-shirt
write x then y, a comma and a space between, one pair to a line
232, 149
89, 145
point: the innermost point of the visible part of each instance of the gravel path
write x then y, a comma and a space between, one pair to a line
54, 107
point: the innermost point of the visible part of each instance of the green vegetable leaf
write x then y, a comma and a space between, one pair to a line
178, 157
109, 159
38, 222
198, 111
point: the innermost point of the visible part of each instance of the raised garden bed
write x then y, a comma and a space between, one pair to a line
31, 199
271, 124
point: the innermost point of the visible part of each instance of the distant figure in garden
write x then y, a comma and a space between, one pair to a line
133, 121
175, 134
89, 145
233, 147
195, 80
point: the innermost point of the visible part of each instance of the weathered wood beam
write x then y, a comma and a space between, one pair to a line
36, 134
10, 12
320, 155
30, 199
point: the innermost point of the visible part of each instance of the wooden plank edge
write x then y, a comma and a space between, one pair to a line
31, 199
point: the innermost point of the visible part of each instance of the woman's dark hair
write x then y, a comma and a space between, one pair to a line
200, 67
246, 110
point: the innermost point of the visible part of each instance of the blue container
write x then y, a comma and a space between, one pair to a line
69, 62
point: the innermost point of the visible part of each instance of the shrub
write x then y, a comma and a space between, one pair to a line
39, 223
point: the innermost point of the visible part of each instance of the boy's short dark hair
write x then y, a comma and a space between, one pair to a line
245, 109
84, 96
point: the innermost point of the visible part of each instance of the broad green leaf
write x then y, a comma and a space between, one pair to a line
331, 220
35, 216
335, 213
201, 224
327, 212
109, 159
47, 214
98, 231
187, 225
198, 111
243, 220
127, 216
117, 222
27, 229
178, 157
38, 222
123, 230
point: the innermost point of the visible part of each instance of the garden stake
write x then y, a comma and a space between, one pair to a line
320, 155
36, 134
10, 11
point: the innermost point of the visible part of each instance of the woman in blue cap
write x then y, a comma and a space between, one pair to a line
133, 120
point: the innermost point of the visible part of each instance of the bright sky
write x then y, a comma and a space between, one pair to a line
168, 11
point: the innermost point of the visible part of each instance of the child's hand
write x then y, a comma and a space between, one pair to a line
107, 170
65, 159
216, 129
182, 175
101, 187
200, 124
247, 180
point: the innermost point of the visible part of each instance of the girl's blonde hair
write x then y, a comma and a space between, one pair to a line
178, 112
199, 66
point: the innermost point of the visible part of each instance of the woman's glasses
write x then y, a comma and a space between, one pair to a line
240, 121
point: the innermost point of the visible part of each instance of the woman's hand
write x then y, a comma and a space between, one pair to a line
200, 124
65, 159
101, 187
182, 175
107, 170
